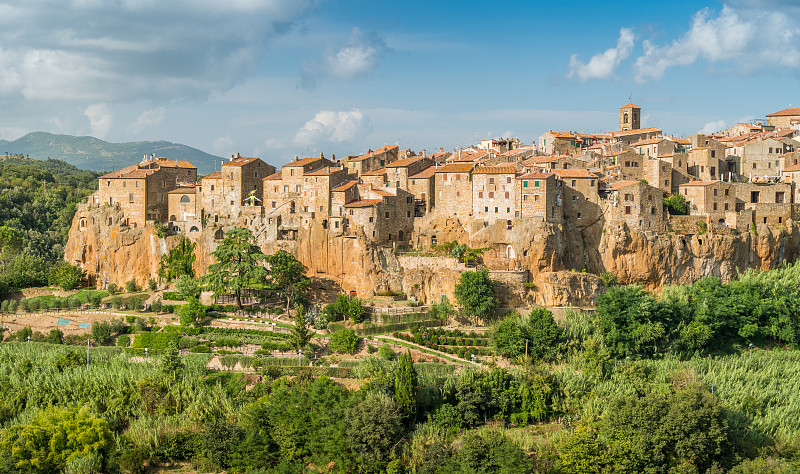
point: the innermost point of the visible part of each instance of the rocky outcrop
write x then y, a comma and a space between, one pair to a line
534, 262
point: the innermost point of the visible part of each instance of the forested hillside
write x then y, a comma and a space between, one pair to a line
37, 202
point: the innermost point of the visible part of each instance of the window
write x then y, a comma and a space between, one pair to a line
535, 197
713, 153
508, 180
770, 149
386, 215
124, 184
137, 184
524, 184
480, 194
574, 183
627, 210
715, 192
524, 197
297, 188
715, 206
185, 199
591, 183
754, 166
579, 215
371, 219
491, 180
212, 204
779, 198
108, 183
491, 195
507, 194
273, 204
726, 206
536, 184
574, 198
130, 197
495, 210
286, 189
408, 213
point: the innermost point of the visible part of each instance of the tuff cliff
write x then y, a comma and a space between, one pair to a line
559, 263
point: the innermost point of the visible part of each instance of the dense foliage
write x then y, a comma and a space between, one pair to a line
475, 293
38, 200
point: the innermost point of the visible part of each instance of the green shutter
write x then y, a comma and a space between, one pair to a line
536, 184
524, 184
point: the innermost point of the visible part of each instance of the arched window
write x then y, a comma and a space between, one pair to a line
173, 218
219, 235
194, 229
625, 118
400, 236
185, 199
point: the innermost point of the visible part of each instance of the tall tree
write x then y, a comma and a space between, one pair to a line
405, 386
300, 335
178, 261
288, 278
475, 293
238, 264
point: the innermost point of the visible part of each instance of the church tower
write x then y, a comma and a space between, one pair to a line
629, 117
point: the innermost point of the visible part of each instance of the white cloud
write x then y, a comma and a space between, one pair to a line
715, 126
746, 39
602, 65
329, 126
100, 119
100, 51
148, 118
222, 145
357, 58
274, 144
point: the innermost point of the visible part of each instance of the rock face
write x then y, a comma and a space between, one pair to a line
533, 262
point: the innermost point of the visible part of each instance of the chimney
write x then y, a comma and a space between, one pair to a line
321, 155
152, 156
296, 158
333, 157
238, 155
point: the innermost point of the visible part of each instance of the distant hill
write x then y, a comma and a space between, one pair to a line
97, 155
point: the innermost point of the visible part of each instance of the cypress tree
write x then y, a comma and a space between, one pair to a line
300, 333
405, 386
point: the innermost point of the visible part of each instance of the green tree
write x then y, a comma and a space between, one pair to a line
343, 341
374, 427
171, 364
355, 310
300, 335
676, 205
55, 336
541, 332
192, 313
101, 332
178, 261
66, 276
187, 287
24, 333
11, 241
406, 386
475, 293
489, 451
131, 286
237, 265
152, 284
287, 278
53, 438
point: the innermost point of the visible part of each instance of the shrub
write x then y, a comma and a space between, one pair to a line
156, 306
95, 299
131, 286
112, 288
130, 319
187, 287
152, 284
135, 303
385, 352
343, 341
356, 311
124, 340
55, 336
190, 314
116, 301
187, 343
200, 349
118, 326
101, 332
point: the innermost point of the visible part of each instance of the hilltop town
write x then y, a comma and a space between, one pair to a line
574, 202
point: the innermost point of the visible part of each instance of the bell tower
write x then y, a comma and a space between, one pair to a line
630, 117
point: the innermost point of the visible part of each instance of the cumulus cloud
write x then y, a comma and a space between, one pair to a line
357, 58
148, 118
602, 65
711, 127
748, 39
99, 51
329, 126
100, 119
222, 145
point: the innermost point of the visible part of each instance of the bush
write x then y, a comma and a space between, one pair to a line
55, 336
187, 287
200, 349
118, 326
676, 205
95, 299
156, 306
131, 286
112, 288
356, 311
190, 314
385, 352
101, 332
24, 333
187, 343
152, 284
135, 303
343, 341
124, 340
116, 301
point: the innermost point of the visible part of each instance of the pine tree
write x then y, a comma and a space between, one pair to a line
171, 364
300, 333
405, 386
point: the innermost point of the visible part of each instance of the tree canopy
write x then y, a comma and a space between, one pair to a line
178, 261
238, 264
287, 278
475, 293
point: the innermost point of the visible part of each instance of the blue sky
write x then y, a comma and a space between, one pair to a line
278, 78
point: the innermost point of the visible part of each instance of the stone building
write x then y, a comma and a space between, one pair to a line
375, 177
580, 195
713, 200
453, 184
371, 160
771, 203
317, 186
630, 117
791, 175
493, 193
655, 147
141, 190
629, 137
422, 186
398, 172
639, 205
786, 118
539, 195
707, 163
658, 173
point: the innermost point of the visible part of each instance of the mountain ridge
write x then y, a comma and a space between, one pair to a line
94, 154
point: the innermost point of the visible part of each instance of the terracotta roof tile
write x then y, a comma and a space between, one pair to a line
630, 104
536, 176
622, 133
785, 112
302, 162
405, 161
424, 174
699, 183
241, 161
622, 184
456, 168
576, 174
499, 169
791, 168
377, 172
273, 176
345, 186
324, 171
364, 203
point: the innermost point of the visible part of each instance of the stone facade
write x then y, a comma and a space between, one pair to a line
637, 204
494, 195
453, 185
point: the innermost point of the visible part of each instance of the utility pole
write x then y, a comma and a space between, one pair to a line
87, 351
526, 348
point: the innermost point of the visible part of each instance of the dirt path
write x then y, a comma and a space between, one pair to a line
427, 350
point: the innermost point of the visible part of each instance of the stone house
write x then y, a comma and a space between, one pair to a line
638, 204
141, 190
629, 137
453, 185
375, 177
558, 143
545, 164
771, 203
379, 214
785, 118
655, 147
658, 173
493, 193
317, 186
630, 164
422, 186
707, 163
356, 166
244, 177
761, 157
398, 172
580, 195
539, 195
713, 200
791, 175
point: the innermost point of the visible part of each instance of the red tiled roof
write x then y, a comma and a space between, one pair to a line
345, 186
215, 175
165, 163
381, 192
405, 161
455, 168
622, 184
635, 132
699, 183
324, 171
575, 174
379, 151
364, 203
377, 172
629, 104
785, 112
241, 161
276, 175
303, 162
499, 169
425, 174
184, 189
650, 141
791, 168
